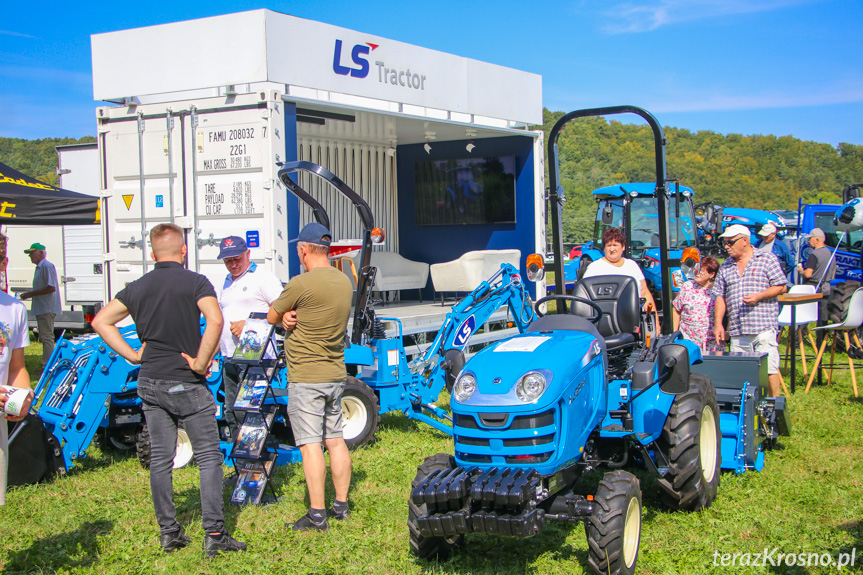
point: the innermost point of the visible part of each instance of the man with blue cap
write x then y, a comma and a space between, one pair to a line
315, 307
248, 288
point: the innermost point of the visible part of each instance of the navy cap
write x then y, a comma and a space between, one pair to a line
232, 246
314, 233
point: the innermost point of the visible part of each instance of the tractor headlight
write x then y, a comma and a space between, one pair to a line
530, 386
464, 387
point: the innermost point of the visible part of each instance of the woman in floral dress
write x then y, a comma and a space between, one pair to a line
693, 307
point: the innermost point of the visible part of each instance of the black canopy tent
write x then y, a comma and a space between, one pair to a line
27, 201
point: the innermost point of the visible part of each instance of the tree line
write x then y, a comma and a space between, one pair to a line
36, 158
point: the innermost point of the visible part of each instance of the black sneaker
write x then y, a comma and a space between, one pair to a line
221, 542
339, 514
170, 542
306, 523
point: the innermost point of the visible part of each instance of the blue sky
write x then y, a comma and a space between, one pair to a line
783, 67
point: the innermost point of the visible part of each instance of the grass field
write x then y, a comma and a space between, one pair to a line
99, 518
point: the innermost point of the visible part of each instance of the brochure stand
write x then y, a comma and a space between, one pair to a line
254, 459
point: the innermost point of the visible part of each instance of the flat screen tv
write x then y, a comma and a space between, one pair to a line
465, 191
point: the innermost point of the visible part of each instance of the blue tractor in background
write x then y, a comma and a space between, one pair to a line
752, 219
586, 389
633, 209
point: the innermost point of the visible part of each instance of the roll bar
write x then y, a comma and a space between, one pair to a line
556, 197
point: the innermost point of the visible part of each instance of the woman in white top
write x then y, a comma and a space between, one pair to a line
614, 264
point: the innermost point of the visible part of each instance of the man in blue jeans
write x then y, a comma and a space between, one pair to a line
166, 305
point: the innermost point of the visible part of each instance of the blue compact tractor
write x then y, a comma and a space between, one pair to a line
586, 389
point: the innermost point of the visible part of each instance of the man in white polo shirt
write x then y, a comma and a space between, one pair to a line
247, 288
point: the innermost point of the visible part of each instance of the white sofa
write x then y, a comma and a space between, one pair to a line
471, 269
396, 273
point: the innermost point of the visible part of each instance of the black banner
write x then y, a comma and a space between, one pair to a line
27, 201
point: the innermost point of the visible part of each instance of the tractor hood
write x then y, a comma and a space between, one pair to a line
558, 355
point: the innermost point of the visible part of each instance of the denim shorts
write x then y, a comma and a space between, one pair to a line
315, 410
764, 342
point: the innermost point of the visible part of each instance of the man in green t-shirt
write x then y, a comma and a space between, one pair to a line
314, 308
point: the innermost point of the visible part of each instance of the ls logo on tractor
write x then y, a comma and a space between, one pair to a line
358, 54
464, 331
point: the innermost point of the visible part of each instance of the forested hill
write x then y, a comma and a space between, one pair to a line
766, 172
36, 158
733, 170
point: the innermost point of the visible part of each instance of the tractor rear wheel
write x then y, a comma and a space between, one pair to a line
360, 413
837, 309
614, 528
182, 456
430, 547
692, 441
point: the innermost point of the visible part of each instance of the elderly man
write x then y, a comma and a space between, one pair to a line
819, 270
45, 296
247, 288
747, 285
778, 248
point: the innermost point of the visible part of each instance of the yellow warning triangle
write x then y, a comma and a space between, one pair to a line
127, 198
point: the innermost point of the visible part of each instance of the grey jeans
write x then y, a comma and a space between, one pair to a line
167, 403
45, 325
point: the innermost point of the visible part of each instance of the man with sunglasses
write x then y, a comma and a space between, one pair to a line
746, 286
247, 288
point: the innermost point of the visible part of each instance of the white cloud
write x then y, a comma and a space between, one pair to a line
647, 15
19, 34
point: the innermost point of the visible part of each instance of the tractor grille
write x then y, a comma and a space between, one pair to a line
500, 438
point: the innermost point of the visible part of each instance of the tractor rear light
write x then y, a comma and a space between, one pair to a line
378, 235
535, 267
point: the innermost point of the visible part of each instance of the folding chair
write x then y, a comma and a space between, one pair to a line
853, 320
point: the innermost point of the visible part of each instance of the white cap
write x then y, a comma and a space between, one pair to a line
767, 229
735, 230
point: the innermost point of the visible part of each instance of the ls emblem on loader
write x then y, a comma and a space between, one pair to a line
358, 54
464, 331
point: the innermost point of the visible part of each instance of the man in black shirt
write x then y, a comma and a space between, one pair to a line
166, 305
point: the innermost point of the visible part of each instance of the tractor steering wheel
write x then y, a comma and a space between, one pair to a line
593, 319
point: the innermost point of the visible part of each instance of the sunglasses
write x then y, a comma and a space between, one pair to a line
732, 242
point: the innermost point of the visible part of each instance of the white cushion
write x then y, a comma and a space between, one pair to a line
395, 272
471, 269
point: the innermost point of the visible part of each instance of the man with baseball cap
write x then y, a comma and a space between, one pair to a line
778, 248
315, 307
746, 286
247, 289
46, 298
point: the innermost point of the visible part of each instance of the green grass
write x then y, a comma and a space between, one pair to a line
99, 518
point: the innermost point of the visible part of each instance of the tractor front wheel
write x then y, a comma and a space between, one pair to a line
360, 415
430, 547
614, 528
182, 456
692, 440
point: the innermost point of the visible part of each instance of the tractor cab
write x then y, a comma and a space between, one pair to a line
633, 208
